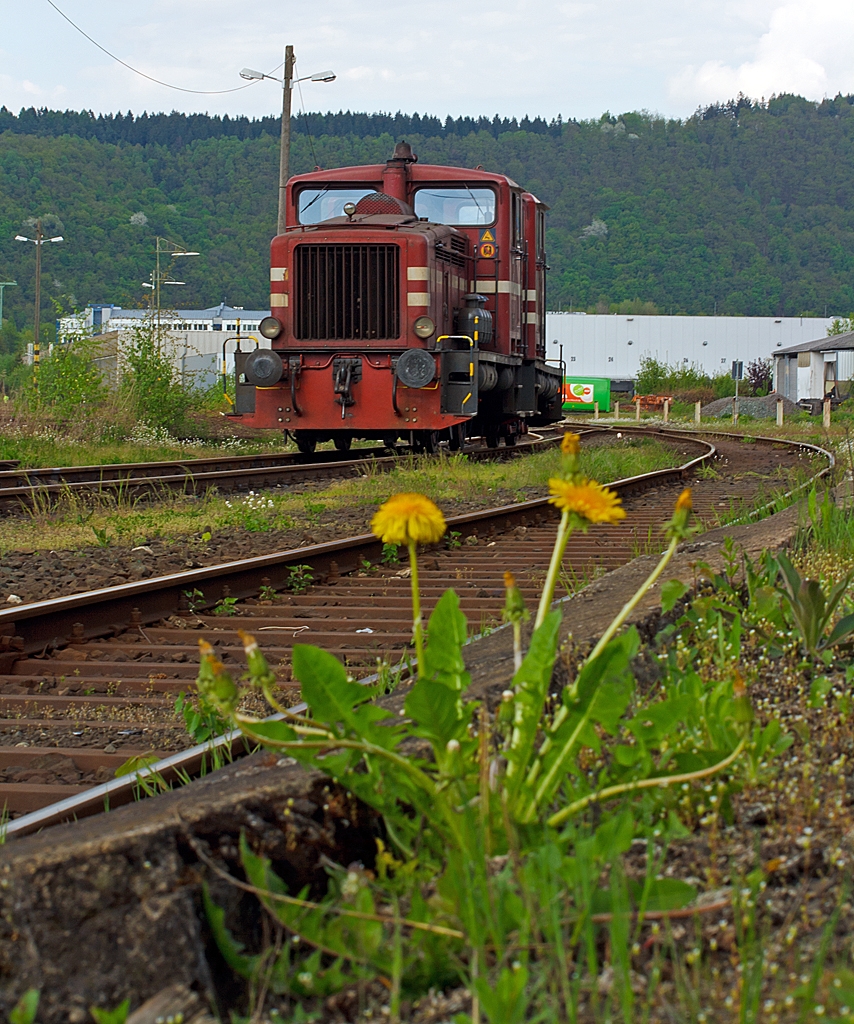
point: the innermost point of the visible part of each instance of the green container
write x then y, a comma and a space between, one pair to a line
579, 394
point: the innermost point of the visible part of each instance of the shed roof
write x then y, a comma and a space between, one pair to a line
826, 344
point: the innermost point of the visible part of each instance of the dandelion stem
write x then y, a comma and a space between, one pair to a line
632, 603
417, 629
563, 533
517, 644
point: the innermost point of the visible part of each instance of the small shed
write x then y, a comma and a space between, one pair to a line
815, 369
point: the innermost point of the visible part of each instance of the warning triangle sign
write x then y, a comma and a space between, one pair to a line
487, 236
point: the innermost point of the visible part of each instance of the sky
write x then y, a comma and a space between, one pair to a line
506, 57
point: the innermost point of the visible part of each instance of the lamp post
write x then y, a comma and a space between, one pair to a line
3, 286
288, 82
163, 246
38, 241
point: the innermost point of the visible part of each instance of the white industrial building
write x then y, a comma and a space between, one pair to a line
612, 346
197, 334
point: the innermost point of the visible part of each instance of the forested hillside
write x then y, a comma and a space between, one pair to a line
747, 208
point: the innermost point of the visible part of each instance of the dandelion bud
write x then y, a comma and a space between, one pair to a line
452, 746
260, 672
507, 696
214, 682
678, 527
743, 707
514, 604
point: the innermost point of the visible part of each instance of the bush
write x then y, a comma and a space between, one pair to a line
686, 383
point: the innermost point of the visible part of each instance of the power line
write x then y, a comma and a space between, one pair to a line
142, 74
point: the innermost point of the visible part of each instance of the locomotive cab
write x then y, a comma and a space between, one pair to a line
406, 301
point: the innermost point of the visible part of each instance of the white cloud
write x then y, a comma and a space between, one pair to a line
512, 57
805, 49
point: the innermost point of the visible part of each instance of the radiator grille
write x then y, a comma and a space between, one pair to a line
346, 292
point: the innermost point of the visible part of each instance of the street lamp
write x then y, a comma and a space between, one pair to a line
38, 241
285, 149
163, 246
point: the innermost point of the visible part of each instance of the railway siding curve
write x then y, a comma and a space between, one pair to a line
109, 661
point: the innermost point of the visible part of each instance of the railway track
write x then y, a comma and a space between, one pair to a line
89, 680
26, 488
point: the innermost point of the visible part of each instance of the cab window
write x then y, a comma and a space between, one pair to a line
317, 204
456, 206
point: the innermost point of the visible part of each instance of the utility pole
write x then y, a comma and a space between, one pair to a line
3, 286
288, 81
285, 150
39, 241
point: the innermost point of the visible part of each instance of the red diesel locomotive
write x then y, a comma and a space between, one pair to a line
407, 301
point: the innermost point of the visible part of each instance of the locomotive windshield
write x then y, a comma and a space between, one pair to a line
317, 204
460, 207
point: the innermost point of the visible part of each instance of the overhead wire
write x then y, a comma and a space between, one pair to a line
305, 117
142, 74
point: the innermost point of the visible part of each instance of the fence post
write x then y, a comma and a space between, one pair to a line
697, 411
779, 412
826, 414
595, 410
734, 412
666, 410
616, 410
637, 408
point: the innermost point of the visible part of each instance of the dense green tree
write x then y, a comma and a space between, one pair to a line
745, 208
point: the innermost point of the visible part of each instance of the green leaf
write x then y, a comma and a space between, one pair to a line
531, 684
614, 836
447, 632
24, 1011
671, 592
842, 629
819, 689
666, 893
116, 1016
275, 731
437, 711
229, 947
600, 695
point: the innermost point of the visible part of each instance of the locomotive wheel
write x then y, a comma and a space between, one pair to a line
425, 442
510, 440
342, 444
306, 444
491, 437
458, 437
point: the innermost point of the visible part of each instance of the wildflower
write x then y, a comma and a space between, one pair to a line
408, 518
587, 499
259, 671
214, 682
678, 528
570, 444
516, 613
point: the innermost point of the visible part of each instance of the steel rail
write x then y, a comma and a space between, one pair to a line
244, 580
23, 488
108, 610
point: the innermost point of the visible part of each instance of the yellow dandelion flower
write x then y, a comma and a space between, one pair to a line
570, 444
509, 580
407, 518
683, 502
587, 499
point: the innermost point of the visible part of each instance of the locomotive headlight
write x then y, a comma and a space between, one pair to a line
424, 327
269, 327
349, 209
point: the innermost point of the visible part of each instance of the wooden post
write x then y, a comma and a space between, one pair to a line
698, 415
637, 408
825, 419
779, 412
666, 410
734, 411
595, 410
616, 410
